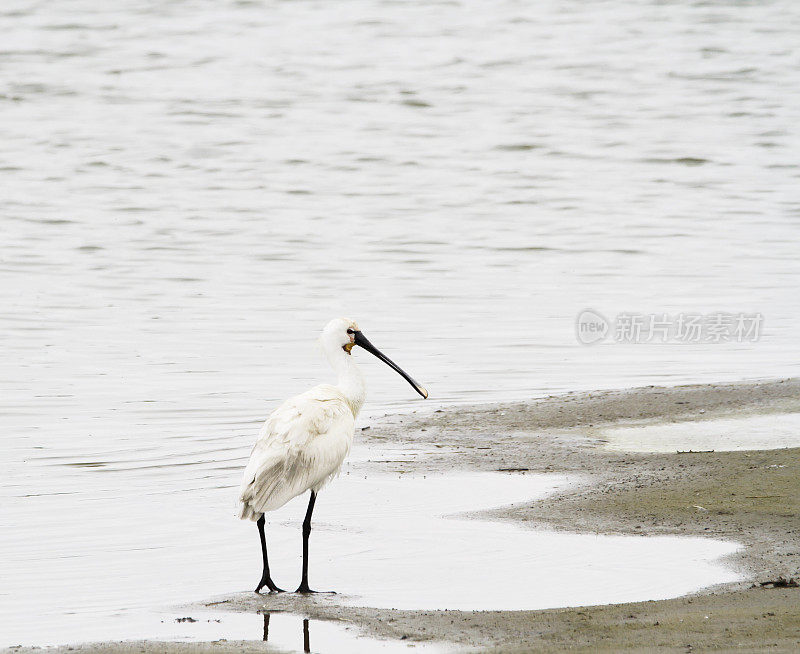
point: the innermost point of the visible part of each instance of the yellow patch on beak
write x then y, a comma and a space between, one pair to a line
348, 347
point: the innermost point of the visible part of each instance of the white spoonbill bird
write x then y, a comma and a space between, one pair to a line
305, 440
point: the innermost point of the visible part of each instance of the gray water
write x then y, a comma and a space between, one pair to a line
103, 576
748, 432
190, 190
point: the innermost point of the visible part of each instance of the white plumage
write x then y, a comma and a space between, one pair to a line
301, 446
305, 440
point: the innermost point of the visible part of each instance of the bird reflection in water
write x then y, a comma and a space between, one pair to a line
306, 636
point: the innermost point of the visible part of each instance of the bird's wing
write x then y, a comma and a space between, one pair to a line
302, 443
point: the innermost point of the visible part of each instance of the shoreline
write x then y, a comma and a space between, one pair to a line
750, 496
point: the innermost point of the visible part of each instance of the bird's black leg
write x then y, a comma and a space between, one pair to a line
266, 580
303, 588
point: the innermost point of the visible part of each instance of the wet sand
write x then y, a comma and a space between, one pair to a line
752, 497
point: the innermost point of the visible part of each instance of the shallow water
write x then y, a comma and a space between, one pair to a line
379, 541
755, 432
285, 632
192, 189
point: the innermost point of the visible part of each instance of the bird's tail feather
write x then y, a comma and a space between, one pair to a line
246, 512
258, 495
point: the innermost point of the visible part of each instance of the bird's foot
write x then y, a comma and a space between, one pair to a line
305, 590
269, 584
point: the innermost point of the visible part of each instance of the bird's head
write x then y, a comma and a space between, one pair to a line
340, 333
345, 334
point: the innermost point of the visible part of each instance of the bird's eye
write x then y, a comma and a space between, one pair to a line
350, 331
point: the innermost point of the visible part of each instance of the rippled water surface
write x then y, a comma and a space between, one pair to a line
190, 190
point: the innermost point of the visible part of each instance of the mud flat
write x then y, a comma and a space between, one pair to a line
748, 496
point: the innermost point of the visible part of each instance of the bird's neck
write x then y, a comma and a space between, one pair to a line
350, 380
